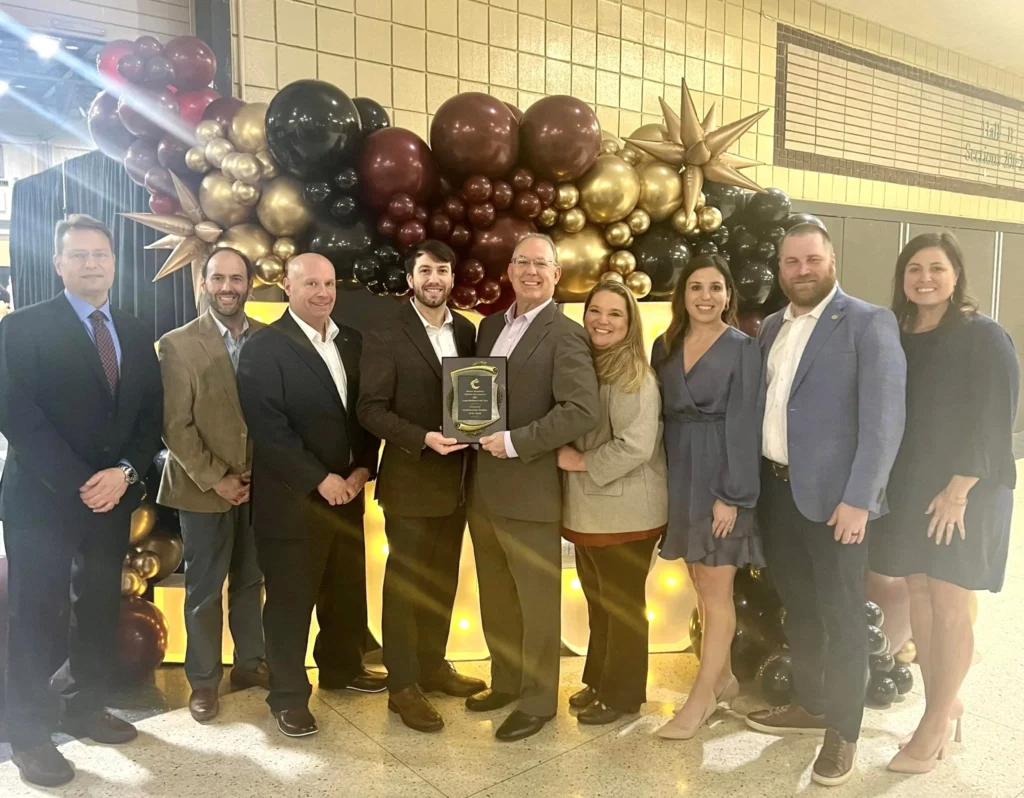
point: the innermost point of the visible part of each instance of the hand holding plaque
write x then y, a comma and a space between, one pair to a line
474, 397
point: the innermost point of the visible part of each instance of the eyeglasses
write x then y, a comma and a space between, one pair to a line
537, 263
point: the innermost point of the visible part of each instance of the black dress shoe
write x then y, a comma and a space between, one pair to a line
415, 711
203, 704
366, 682
100, 727
450, 682
43, 765
584, 698
519, 726
242, 679
598, 714
489, 700
298, 722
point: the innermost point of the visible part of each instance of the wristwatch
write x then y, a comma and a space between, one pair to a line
131, 476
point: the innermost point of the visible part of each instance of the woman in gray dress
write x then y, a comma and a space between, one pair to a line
709, 373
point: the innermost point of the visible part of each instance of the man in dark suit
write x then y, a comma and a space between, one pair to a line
515, 503
81, 406
419, 485
298, 381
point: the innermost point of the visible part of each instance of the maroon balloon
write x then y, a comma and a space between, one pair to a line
422, 214
440, 225
223, 110
477, 189
132, 67
106, 128
193, 105
750, 321
387, 226
488, 291
193, 61
454, 208
401, 208
142, 638
474, 134
521, 179
148, 46
545, 191
170, 153
410, 234
463, 297
528, 205
471, 271
158, 72
560, 137
158, 180
516, 113
110, 54
502, 195
140, 158
493, 247
396, 161
460, 236
500, 305
160, 106
481, 216
161, 203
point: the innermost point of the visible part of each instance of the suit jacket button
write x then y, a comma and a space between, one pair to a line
106, 449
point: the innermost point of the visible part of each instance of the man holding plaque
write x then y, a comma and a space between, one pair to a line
515, 503
419, 485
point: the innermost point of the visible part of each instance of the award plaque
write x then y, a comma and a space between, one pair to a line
474, 396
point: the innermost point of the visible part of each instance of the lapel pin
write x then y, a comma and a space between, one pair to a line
835, 316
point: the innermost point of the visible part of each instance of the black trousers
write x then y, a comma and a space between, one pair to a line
420, 580
614, 580
41, 564
821, 583
326, 571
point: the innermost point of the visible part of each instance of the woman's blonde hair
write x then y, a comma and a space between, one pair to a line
624, 364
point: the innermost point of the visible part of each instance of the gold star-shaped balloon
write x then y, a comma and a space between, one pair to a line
698, 149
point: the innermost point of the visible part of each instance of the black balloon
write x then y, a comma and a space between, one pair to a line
771, 206
775, 679
344, 209
881, 690
748, 651
875, 615
395, 280
317, 193
881, 663
802, 218
341, 244
387, 254
705, 247
903, 678
765, 250
878, 643
364, 269
754, 280
742, 241
378, 288
719, 237
730, 200
696, 632
313, 128
371, 114
662, 253
347, 180
773, 233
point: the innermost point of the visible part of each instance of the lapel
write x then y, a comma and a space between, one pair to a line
418, 334
304, 347
465, 335
489, 332
531, 338
212, 343
830, 318
81, 341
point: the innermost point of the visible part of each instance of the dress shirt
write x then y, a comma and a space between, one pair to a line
232, 344
783, 362
441, 338
327, 350
83, 309
508, 339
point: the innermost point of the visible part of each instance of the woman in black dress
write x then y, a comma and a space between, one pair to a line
950, 491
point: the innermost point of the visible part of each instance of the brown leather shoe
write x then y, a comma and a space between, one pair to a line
450, 682
416, 712
298, 722
100, 727
204, 704
243, 679
43, 765
835, 762
788, 719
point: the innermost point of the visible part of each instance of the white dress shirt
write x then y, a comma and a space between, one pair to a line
232, 344
783, 362
327, 350
513, 332
441, 338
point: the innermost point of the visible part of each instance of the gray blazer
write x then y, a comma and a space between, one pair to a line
624, 487
847, 407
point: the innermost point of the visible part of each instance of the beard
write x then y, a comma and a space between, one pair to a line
427, 301
239, 304
809, 295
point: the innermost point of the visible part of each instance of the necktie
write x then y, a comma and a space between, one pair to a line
105, 347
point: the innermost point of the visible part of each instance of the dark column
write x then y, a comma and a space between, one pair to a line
213, 26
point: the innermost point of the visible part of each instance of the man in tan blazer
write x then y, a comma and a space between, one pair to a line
206, 478
515, 503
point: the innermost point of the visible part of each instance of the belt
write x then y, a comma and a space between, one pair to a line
778, 470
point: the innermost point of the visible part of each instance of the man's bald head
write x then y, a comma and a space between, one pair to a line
307, 261
310, 284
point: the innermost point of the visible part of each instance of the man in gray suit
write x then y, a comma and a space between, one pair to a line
833, 393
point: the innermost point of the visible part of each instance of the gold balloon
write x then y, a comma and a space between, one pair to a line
269, 269
227, 164
702, 200
566, 196
282, 209
132, 583
247, 168
168, 551
195, 159
583, 258
250, 239
661, 190
612, 277
683, 222
617, 234
207, 232
609, 190
609, 147
245, 193
270, 170
548, 217
639, 283
146, 563
285, 248
207, 131
623, 262
629, 243
142, 522
907, 654
709, 219
217, 150
248, 129
630, 156
573, 220
639, 221
653, 131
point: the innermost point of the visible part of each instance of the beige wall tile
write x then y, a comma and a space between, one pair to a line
373, 40
608, 53
504, 28
374, 80
632, 59
409, 12
335, 32
410, 90
260, 63
557, 78
296, 24
337, 70
654, 30
260, 21
607, 88
675, 67
608, 17
531, 73
675, 9
535, 8
414, 121
584, 47
696, 12
654, 64
584, 83
630, 93
473, 61
381, 9
473, 21
294, 63
632, 24
439, 89
504, 70
409, 46
584, 14
531, 35
442, 54
559, 11
443, 16
675, 36
559, 41
340, 5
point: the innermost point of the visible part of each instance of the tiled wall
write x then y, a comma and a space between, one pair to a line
619, 55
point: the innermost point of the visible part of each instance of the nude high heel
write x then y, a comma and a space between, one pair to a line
729, 692
905, 763
956, 715
674, 730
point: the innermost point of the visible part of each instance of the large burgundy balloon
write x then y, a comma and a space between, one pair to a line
159, 105
474, 134
110, 54
170, 152
222, 111
140, 158
560, 137
516, 113
106, 128
396, 161
193, 105
158, 180
493, 247
193, 61
488, 291
142, 638
463, 296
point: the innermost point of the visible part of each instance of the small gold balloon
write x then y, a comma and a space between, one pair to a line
683, 222
195, 159
217, 150
612, 277
269, 269
632, 157
566, 196
629, 243
709, 219
248, 128
142, 522
247, 168
268, 164
573, 220
250, 239
701, 201
583, 258
282, 209
907, 654
227, 164
285, 248
245, 194
132, 583
609, 147
652, 131
147, 564
208, 130
639, 221
548, 217
207, 232
609, 190
623, 262
639, 283
617, 234
661, 190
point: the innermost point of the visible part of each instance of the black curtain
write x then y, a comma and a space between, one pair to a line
99, 186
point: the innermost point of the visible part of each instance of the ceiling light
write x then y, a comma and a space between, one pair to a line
4, 86
45, 46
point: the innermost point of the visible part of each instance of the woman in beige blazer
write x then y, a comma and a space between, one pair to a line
615, 506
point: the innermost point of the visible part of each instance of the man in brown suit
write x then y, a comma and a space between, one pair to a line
419, 485
515, 503
206, 478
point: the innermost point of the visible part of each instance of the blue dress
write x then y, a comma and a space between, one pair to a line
711, 442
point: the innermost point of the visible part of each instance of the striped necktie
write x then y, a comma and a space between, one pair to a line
105, 347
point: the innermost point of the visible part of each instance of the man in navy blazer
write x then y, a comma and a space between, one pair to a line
833, 401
